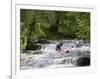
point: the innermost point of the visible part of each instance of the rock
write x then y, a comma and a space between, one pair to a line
43, 41
24, 57
82, 61
79, 43
33, 46
38, 52
60, 61
67, 62
28, 51
67, 51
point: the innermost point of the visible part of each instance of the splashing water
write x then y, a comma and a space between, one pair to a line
52, 58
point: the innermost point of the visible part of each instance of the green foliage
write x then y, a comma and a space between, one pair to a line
83, 29
26, 19
37, 32
39, 24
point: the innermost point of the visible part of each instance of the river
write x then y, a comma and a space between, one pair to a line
47, 57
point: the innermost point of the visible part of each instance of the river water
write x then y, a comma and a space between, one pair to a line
48, 57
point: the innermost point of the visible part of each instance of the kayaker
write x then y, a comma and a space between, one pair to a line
58, 47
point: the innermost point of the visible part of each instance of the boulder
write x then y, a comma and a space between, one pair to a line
33, 46
60, 61
43, 41
82, 61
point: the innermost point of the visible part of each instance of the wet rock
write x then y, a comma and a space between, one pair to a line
23, 57
82, 61
43, 41
33, 46
60, 61
67, 51
28, 51
37, 52
79, 43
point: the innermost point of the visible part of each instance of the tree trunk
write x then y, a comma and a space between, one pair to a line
31, 28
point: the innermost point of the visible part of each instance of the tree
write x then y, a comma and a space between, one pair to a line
26, 17
45, 24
